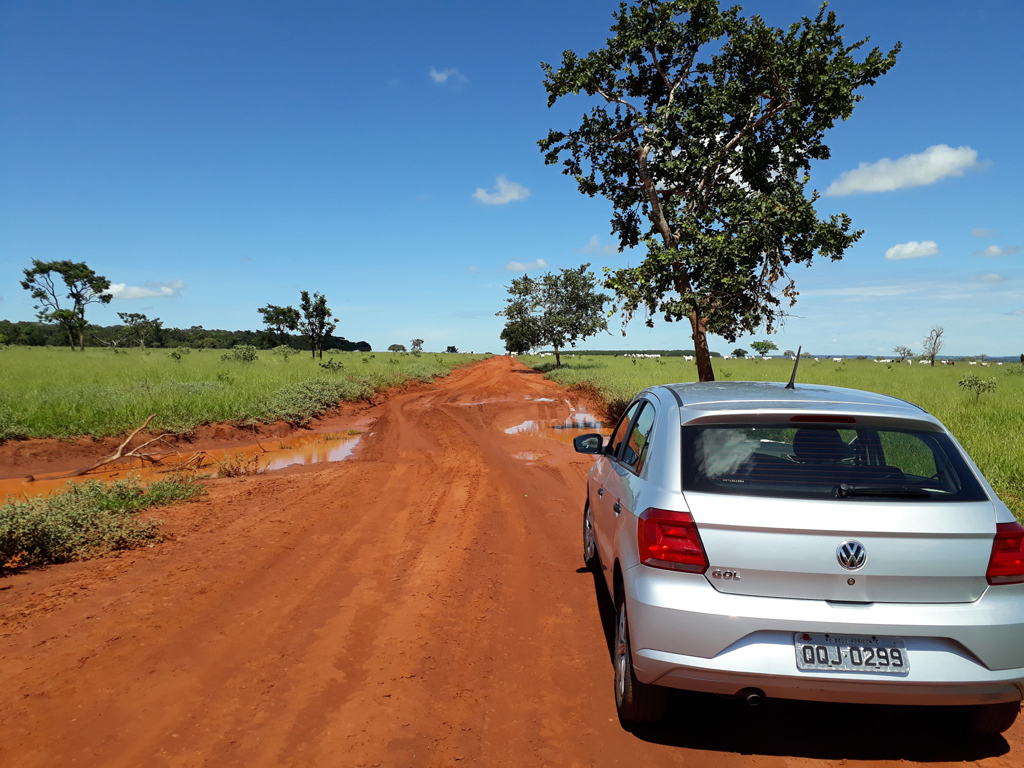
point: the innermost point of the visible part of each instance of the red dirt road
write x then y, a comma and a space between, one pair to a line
421, 604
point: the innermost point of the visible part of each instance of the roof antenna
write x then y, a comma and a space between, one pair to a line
792, 378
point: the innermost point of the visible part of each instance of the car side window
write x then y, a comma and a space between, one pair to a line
619, 435
639, 442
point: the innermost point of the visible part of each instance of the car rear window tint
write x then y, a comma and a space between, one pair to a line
823, 462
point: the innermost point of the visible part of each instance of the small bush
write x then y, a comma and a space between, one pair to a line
240, 464
333, 365
88, 519
284, 351
977, 385
243, 353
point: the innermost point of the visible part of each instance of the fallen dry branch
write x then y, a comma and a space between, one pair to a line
120, 452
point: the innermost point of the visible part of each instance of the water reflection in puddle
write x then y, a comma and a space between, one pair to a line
314, 450
564, 431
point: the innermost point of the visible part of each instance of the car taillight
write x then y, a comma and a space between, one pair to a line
670, 540
1006, 566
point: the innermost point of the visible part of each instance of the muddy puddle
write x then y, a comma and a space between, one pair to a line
265, 456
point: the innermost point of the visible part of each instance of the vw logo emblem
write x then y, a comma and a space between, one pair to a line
851, 555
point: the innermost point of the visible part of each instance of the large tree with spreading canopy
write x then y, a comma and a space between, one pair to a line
702, 139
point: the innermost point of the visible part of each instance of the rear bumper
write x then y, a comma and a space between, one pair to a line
685, 634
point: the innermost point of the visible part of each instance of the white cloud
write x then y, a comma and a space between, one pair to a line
908, 171
981, 232
507, 192
151, 290
472, 269
444, 75
1016, 312
912, 250
991, 277
995, 250
518, 266
594, 246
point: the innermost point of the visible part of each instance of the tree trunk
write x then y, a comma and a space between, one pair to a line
81, 340
700, 348
558, 358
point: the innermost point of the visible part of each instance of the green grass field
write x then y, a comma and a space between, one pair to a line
50, 392
990, 427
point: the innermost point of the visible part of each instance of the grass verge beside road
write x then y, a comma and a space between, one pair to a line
48, 392
990, 427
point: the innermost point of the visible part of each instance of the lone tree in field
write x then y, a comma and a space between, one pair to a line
416, 345
396, 348
902, 352
139, 328
316, 323
280, 320
764, 347
933, 344
739, 352
557, 309
702, 139
83, 287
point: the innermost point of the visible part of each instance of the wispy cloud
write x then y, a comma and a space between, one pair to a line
594, 246
981, 232
451, 74
473, 269
908, 171
518, 266
507, 191
991, 277
995, 250
1016, 312
150, 291
912, 250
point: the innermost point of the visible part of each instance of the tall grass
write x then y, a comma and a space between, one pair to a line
990, 427
48, 392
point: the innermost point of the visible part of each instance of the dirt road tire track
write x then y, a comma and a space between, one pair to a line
421, 604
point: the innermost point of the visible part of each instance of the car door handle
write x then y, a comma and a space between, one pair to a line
617, 507
600, 492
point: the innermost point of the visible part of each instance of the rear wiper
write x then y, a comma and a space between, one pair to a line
900, 491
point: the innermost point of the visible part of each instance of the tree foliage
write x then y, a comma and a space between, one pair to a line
764, 347
452, 350
83, 287
396, 348
739, 352
557, 309
316, 323
280, 320
139, 328
416, 346
702, 139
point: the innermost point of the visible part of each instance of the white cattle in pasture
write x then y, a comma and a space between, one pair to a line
910, 362
689, 358
986, 365
922, 362
837, 359
972, 362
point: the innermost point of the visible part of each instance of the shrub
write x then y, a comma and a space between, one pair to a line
86, 520
243, 353
977, 385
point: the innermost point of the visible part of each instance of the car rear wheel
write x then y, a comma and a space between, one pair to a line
589, 542
993, 718
636, 702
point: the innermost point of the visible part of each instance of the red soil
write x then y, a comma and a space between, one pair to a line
420, 604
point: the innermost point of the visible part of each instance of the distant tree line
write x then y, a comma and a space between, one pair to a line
662, 352
36, 334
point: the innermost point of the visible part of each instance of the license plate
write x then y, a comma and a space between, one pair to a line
851, 653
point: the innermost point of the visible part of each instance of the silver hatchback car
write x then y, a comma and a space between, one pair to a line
806, 542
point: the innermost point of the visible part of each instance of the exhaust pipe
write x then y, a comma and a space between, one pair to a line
754, 697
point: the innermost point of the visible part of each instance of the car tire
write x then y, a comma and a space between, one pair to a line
590, 558
635, 702
993, 718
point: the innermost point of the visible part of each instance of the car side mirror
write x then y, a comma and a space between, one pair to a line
588, 443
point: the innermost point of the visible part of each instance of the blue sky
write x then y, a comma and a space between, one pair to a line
213, 156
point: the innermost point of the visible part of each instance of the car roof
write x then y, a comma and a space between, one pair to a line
770, 396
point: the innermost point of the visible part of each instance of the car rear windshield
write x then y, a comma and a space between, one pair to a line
819, 461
